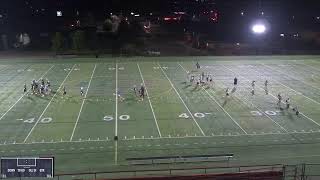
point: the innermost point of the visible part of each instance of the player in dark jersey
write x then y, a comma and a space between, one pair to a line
235, 81
36, 85
197, 65
142, 91
64, 91
253, 84
25, 88
266, 87
279, 99
295, 109
288, 103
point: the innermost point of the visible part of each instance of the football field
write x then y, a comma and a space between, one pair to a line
175, 118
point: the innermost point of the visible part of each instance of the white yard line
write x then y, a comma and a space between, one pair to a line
284, 129
216, 136
297, 92
256, 107
308, 67
7, 81
218, 104
84, 99
48, 104
272, 96
181, 100
24, 95
316, 69
116, 121
154, 116
310, 119
116, 152
157, 138
269, 67
116, 118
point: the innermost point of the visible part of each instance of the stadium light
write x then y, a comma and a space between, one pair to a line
59, 13
259, 28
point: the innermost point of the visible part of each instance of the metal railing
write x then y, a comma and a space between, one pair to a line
172, 172
289, 172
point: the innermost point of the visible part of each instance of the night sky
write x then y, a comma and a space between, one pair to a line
283, 15
297, 7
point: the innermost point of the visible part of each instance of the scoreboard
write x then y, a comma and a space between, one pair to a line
27, 167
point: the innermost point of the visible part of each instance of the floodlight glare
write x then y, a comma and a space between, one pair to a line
259, 28
59, 13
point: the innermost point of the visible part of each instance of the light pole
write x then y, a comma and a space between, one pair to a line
259, 30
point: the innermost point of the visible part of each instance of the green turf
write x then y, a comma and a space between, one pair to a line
79, 131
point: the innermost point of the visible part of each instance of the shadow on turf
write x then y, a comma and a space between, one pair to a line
234, 90
131, 99
224, 103
195, 89
187, 86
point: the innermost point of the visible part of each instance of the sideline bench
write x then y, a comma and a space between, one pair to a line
179, 159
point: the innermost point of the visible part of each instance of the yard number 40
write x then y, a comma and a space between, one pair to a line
197, 115
32, 120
